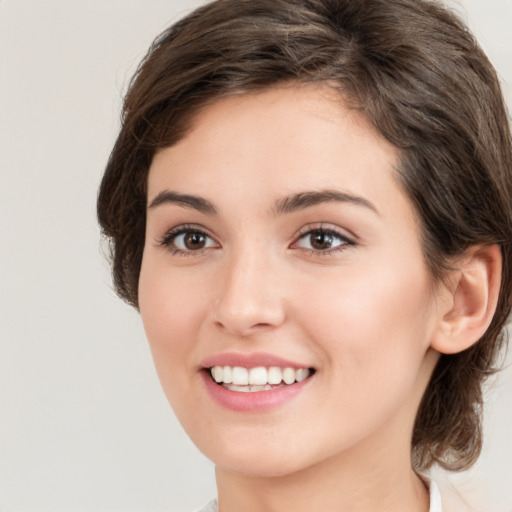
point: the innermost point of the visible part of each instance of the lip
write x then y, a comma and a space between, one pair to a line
252, 402
250, 361
257, 401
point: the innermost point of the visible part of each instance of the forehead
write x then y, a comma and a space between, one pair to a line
277, 142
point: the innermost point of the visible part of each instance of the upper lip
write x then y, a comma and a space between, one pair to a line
250, 361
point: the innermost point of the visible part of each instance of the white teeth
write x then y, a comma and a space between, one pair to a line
240, 376
237, 378
258, 376
275, 375
241, 389
217, 374
247, 389
289, 375
257, 388
300, 374
228, 375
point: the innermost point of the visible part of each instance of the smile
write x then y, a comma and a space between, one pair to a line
255, 383
259, 378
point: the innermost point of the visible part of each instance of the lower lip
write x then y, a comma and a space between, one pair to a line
256, 401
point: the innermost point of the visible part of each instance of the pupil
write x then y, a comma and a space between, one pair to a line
321, 240
194, 241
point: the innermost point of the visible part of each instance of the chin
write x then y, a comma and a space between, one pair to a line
262, 458
259, 468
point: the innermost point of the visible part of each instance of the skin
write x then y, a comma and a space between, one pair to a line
362, 314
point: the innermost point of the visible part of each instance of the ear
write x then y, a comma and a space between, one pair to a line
469, 300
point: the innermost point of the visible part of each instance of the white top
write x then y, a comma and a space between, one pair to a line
435, 500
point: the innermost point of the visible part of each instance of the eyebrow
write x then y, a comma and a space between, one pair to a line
304, 200
195, 202
288, 204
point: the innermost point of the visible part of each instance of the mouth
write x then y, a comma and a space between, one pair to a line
259, 378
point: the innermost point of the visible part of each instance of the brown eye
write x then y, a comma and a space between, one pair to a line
194, 241
188, 241
321, 240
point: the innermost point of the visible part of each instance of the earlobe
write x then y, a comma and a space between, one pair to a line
473, 290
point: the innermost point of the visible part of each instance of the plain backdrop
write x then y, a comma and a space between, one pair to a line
84, 424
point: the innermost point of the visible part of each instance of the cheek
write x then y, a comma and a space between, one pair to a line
171, 308
372, 336
373, 326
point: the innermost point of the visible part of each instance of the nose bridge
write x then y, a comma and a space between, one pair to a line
248, 297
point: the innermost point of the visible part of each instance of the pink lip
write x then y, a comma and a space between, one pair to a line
258, 401
250, 361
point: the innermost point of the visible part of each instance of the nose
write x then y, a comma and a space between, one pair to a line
250, 298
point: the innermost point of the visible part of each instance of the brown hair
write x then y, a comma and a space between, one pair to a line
419, 76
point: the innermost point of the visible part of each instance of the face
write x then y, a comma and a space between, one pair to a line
280, 251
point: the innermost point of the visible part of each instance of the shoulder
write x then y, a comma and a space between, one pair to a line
435, 496
211, 506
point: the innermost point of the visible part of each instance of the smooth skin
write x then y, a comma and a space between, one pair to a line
236, 262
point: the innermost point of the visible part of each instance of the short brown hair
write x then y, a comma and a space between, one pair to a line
415, 71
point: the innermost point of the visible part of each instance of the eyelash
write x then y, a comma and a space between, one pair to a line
174, 233
321, 229
170, 237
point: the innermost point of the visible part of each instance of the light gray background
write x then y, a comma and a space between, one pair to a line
84, 424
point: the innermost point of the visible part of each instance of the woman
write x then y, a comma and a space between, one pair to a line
310, 204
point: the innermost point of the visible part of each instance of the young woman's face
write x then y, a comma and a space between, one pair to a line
277, 237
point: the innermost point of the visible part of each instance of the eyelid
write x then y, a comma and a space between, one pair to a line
327, 228
170, 235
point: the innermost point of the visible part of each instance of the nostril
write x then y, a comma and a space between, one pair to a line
242, 308
241, 328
